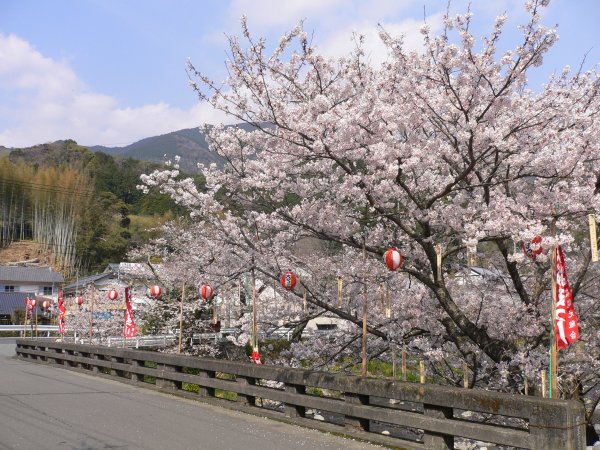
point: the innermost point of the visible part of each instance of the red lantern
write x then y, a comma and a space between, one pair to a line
534, 248
79, 300
155, 291
33, 302
113, 294
288, 280
393, 259
206, 291
45, 304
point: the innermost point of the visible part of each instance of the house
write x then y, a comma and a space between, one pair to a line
12, 302
34, 280
117, 275
19, 282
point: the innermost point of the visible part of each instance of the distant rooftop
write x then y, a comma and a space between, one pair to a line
30, 274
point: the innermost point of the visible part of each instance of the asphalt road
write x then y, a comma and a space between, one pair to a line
43, 407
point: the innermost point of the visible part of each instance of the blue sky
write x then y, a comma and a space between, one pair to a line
111, 72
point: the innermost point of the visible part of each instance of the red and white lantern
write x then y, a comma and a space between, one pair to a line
113, 294
534, 248
288, 280
33, 302
155, 291
393, 259
45, 304
206, 291
79, 300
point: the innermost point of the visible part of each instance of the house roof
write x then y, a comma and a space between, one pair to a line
82, 282
30, 274
11, 301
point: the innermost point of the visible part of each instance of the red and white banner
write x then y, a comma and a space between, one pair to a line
61, 315
129, 330
566, 324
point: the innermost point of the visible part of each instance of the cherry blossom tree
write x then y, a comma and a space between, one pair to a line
444, 150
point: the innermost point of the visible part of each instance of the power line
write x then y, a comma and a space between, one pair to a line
80, 192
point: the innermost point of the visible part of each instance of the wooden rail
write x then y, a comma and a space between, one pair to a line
400, 414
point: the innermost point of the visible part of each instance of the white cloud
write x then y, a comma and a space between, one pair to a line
44, 100
342, 43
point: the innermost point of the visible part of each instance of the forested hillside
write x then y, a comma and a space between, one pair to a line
83, 207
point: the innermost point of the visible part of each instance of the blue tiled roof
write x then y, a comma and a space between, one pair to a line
11, 301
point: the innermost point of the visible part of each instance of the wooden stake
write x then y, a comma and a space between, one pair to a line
340, 287
465, 376
365, 313
25, 322
255, 336
305, 301
553, 346
544, 383
181, 317
215, 310
439, 253
92, 313
526, 383
388, 306
422, 371
593, 238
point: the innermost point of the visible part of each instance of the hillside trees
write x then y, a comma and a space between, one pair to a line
445, 148
82, 206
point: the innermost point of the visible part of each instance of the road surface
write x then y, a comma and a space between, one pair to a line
44, 407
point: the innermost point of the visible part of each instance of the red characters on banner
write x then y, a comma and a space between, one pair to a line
566, 324
393, 259
206, 291
155, 291
61, 315
113, 294
534, 248
129, 330
288, 280
45, 304
79, 300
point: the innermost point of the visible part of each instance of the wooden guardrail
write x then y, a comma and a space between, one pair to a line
400, 414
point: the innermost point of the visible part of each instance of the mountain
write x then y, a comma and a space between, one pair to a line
188, 143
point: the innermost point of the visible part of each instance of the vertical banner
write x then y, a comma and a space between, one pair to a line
61, 314
340, 287
129, 330
566, 324
593, 237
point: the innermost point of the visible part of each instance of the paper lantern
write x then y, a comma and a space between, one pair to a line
155, 291
79, 300
33, 302
393, 259
206, 291
45, 304
288, 280
534, 248
113, 294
